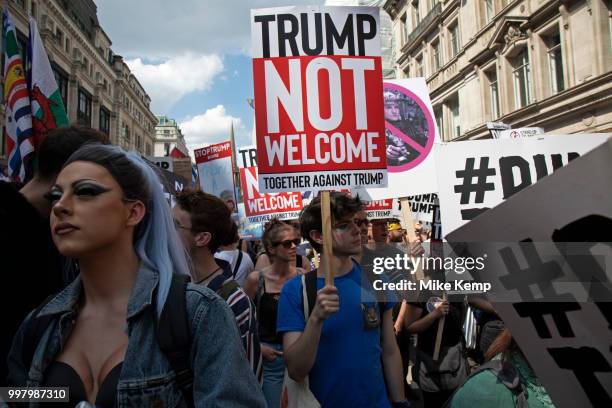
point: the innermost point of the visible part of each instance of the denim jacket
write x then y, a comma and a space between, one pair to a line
222, 375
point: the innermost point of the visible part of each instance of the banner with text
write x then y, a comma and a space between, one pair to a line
548, 252
216, 171
382, 209
263, 207
319, 98
474, 176
422, 206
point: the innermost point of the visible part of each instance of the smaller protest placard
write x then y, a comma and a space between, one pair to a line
520, 132
474, 176
422, 206
165, 163
410, 131
215, 168
382, 209
263, 207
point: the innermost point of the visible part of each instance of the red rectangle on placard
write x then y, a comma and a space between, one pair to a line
259, 204
310, 132
213, 152
379, 205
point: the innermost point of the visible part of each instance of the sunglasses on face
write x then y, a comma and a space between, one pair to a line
288, 243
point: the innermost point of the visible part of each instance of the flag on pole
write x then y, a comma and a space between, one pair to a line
18, 119
48, 110
194, 175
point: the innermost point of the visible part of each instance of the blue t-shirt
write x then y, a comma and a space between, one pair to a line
348, 369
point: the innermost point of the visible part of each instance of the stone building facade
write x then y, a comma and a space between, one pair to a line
168, 135
97, 86
541, 63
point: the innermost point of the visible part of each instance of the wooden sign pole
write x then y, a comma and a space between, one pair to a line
326, 224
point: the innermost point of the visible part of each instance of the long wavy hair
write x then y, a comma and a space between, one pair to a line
156, 241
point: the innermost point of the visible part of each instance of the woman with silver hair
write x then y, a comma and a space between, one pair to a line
101, 339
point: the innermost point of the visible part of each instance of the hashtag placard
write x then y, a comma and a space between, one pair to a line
474, 176
549, 254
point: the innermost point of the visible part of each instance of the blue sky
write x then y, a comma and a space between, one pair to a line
193, 58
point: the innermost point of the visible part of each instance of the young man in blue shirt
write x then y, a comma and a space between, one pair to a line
346, 347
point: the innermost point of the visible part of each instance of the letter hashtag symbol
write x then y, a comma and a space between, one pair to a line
481, 186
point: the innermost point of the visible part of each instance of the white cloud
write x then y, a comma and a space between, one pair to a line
213, 126
167, 82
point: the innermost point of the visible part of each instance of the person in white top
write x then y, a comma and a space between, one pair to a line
240, 261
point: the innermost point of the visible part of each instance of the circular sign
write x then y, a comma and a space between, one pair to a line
409, 128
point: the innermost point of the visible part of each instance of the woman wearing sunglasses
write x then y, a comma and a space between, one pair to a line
280, 240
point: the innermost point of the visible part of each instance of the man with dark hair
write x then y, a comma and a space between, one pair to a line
204, 224
346, 347
31, 265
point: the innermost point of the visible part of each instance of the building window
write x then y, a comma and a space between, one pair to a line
420, 70
454, 37
84, 109
404, 28
166, 149
59, 37
437, 56
489, 10
555, 61
417, 14
62, 84
453, 107
439, 115
493, 92
138, 142
432, 4
104, 120
522, 79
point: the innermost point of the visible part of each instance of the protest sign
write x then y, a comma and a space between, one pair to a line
319, 98
410, 136
520, 132
495, 128
381, 209
422, 206
165, 163
554, 298
248, 230
263, 207
216, 170
474, 176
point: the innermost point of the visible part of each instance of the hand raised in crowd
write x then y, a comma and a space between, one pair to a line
269, 354
442, 308
397, 327
416, 249
327, 303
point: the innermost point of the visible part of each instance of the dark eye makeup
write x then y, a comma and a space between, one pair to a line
81, 189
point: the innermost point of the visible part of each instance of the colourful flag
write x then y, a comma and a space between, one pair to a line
48, 110
18, 119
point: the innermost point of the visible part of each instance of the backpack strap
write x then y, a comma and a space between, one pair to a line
174, 336
309, 292
261, 289
238, 262
33, 333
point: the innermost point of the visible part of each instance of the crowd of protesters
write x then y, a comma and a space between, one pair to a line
131, 303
